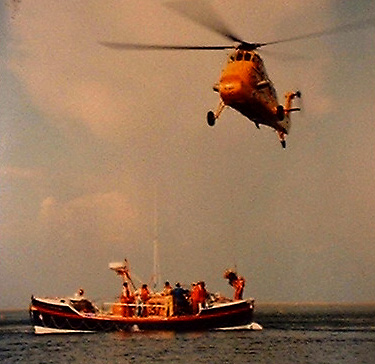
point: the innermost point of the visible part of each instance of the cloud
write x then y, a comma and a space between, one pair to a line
60, 63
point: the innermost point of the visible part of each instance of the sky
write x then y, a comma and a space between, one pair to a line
102, 151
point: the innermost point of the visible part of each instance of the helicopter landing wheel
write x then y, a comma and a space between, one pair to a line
211, 118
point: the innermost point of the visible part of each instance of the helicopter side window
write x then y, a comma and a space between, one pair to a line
258, 64
247, 56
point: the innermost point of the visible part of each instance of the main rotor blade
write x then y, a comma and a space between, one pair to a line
285, 56
361, 24
203, 14
130, 46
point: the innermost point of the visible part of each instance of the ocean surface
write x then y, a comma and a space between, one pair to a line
316, 334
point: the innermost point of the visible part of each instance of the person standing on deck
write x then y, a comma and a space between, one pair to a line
80, 294
126, 299
238, 283
194, 296
125, 295
144, 296
179, 300
202, 294
167, 293
239, 286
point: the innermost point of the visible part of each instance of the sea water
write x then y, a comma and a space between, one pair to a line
292, 334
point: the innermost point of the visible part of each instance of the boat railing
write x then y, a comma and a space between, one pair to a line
138, 309
109, 305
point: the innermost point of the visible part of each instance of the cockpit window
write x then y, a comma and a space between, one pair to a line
239, 56
247, 56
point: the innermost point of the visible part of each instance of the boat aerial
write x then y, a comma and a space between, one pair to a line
173, 309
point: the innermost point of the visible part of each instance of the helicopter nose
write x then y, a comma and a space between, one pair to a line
231, 90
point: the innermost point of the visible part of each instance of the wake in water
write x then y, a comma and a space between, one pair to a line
253, 326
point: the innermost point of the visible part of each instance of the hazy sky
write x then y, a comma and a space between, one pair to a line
91, 139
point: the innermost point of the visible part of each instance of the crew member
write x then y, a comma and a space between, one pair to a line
194, 296
125, 295
145, 296
238, 283
202, 294
167, 293
126, 298
80, 294
179, 300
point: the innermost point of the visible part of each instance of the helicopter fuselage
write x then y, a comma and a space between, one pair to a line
244, 85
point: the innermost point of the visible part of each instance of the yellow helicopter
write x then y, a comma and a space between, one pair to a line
244, 84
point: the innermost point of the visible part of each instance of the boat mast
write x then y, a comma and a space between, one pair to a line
156, 275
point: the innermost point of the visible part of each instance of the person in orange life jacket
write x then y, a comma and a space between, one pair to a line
239, 285
202, 294
194, 296
145, 293
126, 299
144, 296
126, 296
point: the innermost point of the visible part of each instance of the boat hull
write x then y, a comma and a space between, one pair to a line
59, 316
